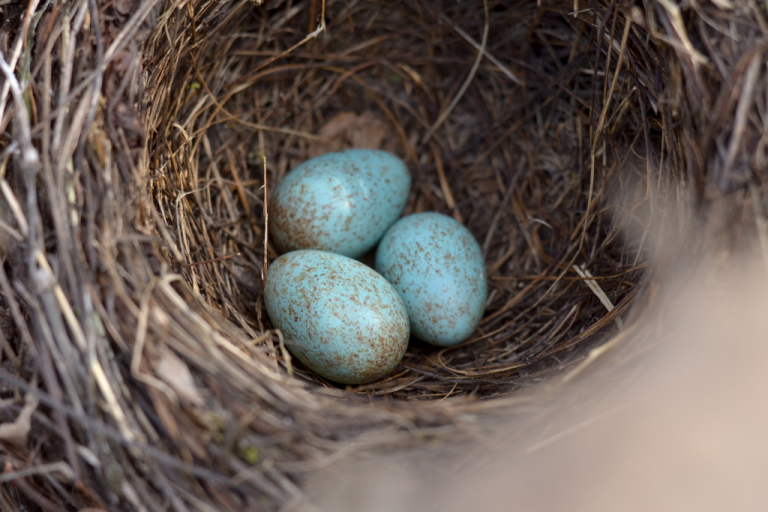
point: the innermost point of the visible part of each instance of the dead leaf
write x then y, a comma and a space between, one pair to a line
338, 125
16, 433
369, 132
348, 130
175, 372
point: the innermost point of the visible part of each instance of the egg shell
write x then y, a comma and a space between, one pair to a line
339, 202
341, 319
437, 267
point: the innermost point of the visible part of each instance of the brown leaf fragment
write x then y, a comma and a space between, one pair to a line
368, 132
175, 372
348, 130
340, 123
16, 433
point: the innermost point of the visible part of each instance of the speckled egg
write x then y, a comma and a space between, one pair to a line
437, 267
340, 318
339, 202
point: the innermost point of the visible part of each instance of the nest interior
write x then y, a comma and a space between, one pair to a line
505, 152
141, 138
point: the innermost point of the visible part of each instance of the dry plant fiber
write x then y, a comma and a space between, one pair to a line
139, 141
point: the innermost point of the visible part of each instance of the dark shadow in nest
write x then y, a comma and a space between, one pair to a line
511, 160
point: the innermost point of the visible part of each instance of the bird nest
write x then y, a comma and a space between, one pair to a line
141, 139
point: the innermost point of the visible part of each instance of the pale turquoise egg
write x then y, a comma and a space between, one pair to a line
339, 202
437, 267
340, 318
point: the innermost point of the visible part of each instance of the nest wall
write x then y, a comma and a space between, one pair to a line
140, 140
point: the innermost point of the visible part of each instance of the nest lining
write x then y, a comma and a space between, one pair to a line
137, 348
508, 162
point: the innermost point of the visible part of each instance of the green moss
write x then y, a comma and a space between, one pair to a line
249, 454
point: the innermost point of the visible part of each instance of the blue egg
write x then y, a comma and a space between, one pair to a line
437, 267
341, 319
339, 202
